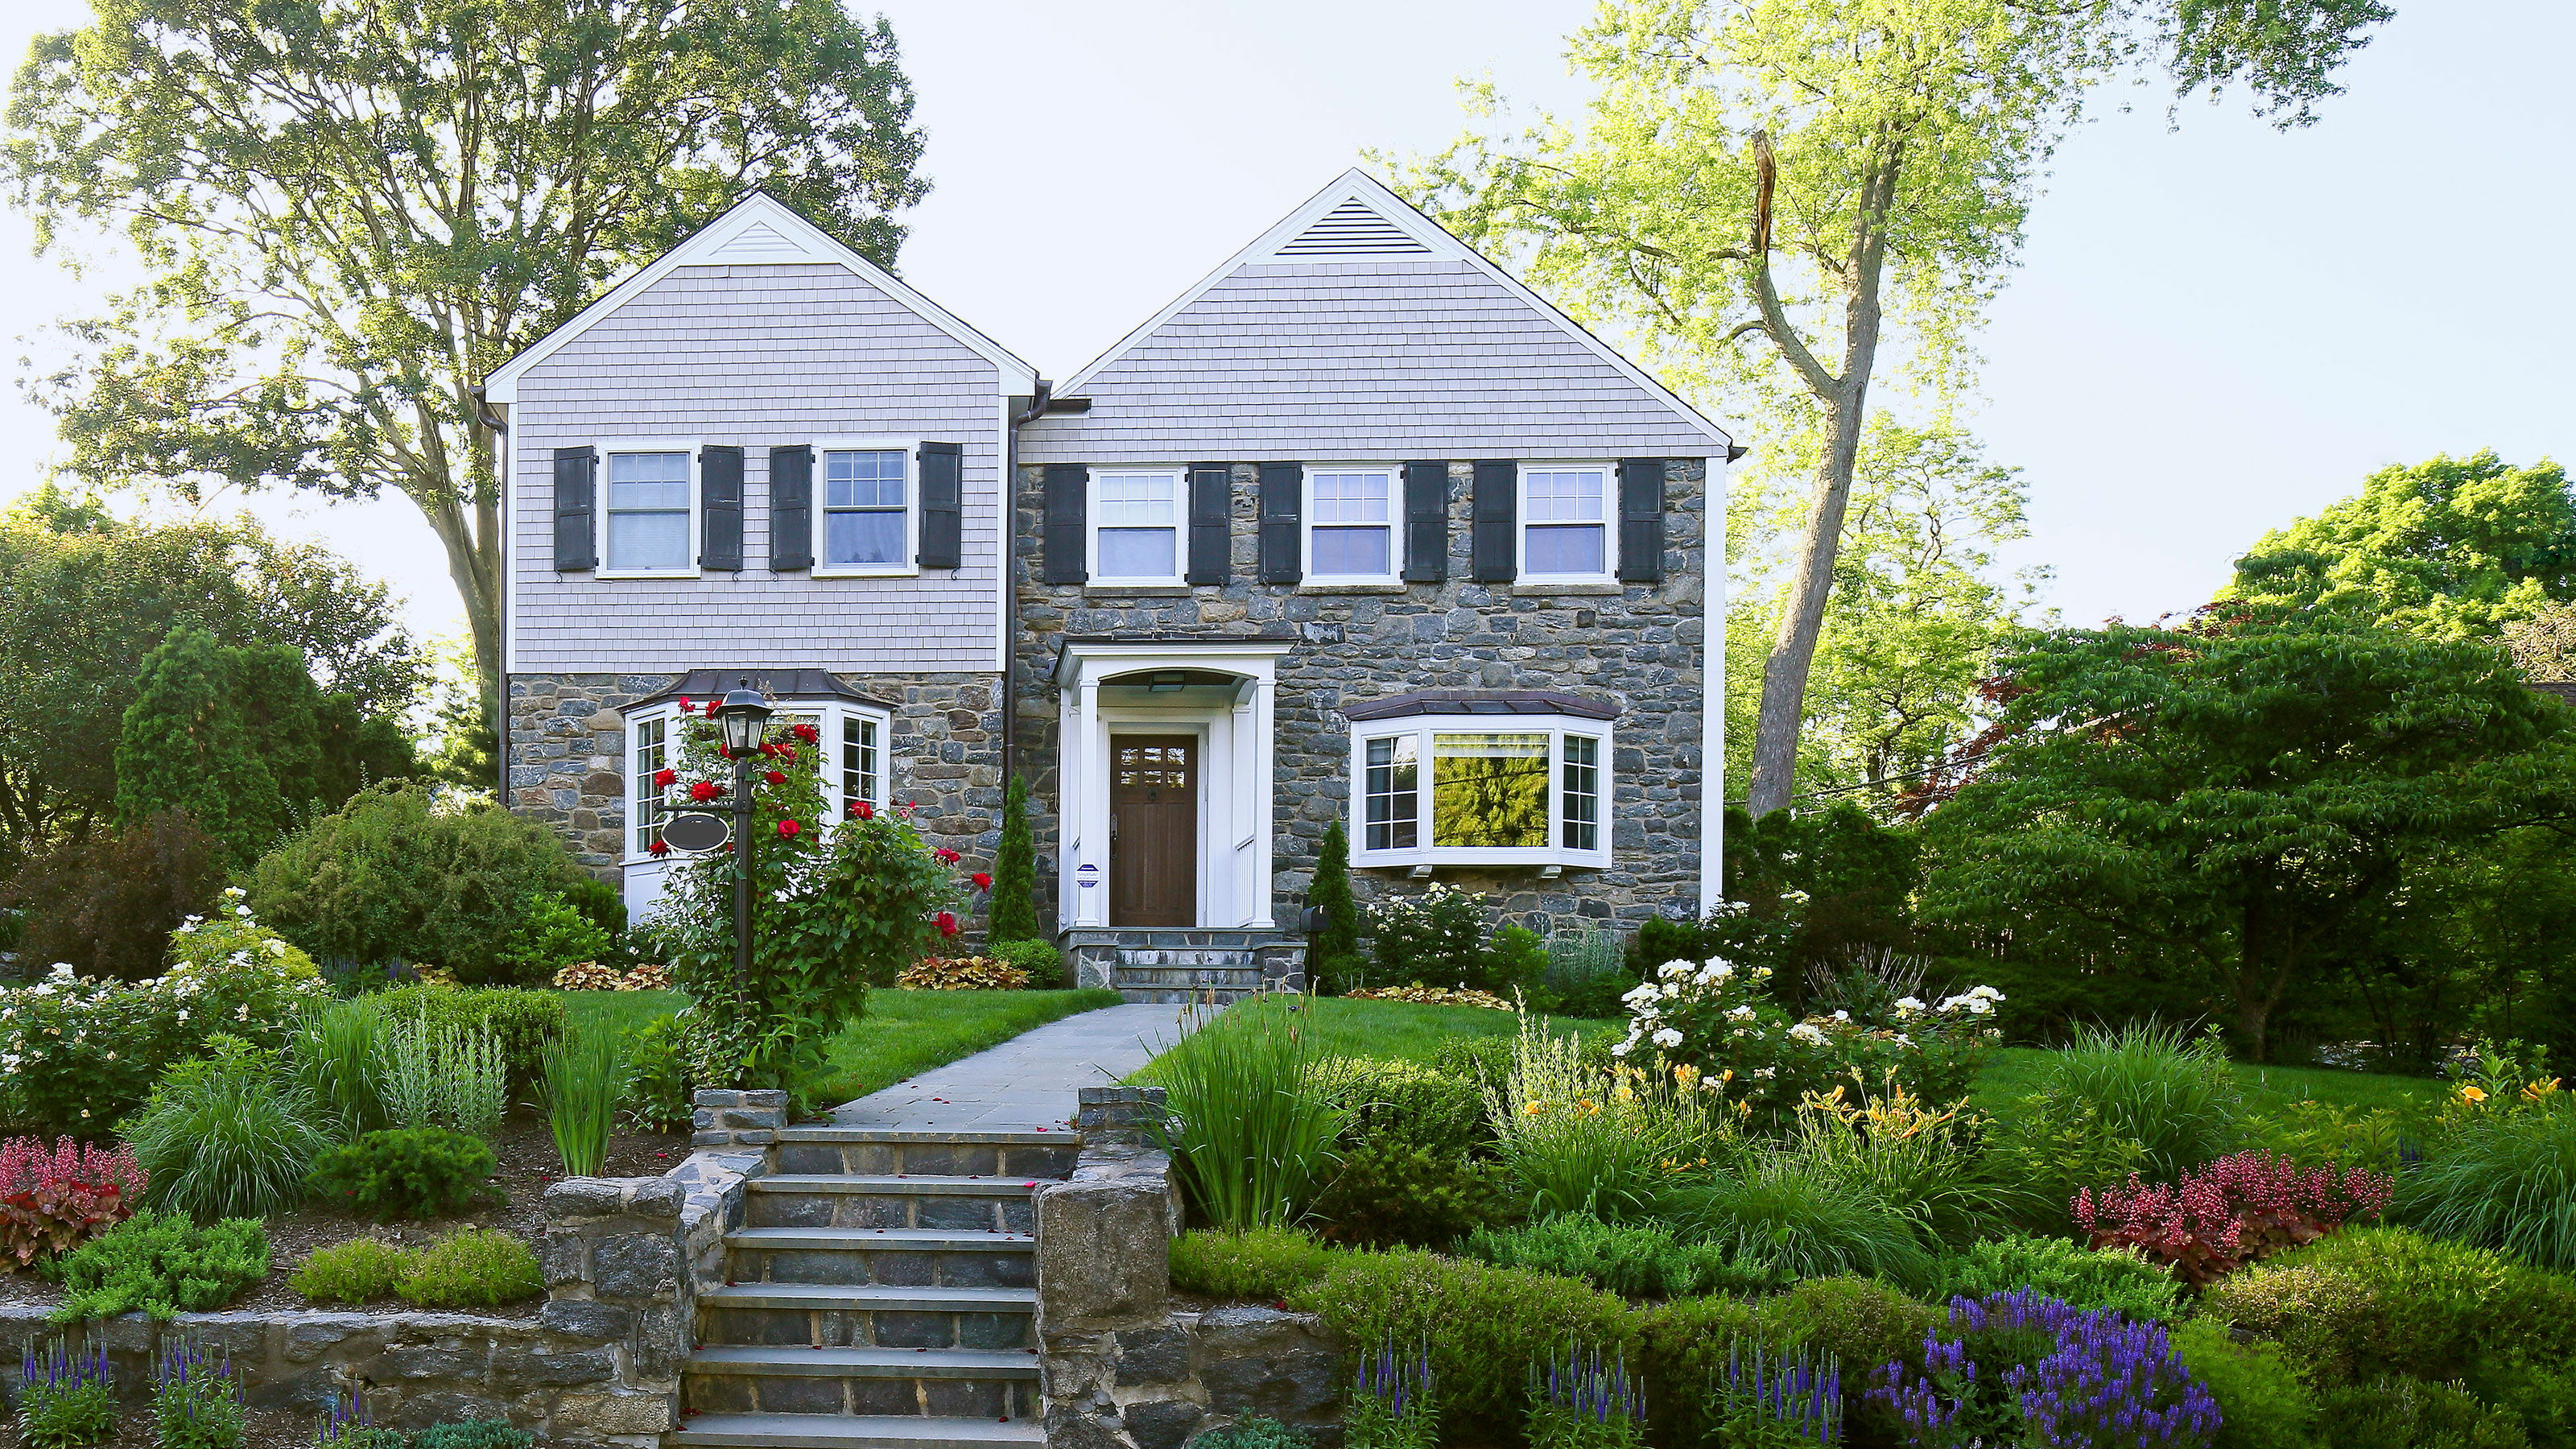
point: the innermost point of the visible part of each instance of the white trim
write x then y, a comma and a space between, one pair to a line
1424, 729
1355, 184
691, 447
1522, 573
809, 242
1005, 565
510, 503
910, 566
828, 713
1712, 673
1395, 522
1179, 478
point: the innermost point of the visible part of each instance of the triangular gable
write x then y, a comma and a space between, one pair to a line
1354, 219
759, 230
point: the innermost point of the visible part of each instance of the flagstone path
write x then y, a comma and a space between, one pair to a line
1027, 1082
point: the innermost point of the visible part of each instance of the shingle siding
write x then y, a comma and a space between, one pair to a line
1379, 359
756, 356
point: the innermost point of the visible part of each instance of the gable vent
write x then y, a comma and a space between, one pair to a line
1352, 230
758, 242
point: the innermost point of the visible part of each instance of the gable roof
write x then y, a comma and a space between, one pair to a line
758, 230
1356, 218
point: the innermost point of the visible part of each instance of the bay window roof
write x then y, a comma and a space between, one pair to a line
1481, 701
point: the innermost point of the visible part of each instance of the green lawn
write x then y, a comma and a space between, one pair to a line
2015, 1074
912, 1031
617, 1010
1403, 1031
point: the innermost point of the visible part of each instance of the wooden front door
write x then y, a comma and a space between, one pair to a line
1153, 830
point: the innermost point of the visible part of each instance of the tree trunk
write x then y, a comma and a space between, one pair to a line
1793, 650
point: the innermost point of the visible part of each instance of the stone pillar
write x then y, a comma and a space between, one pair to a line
1116, 1114
615, 1265
738, 1118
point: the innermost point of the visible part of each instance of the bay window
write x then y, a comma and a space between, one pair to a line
1522, 789
854, 760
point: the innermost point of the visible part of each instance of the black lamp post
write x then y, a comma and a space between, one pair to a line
741, 717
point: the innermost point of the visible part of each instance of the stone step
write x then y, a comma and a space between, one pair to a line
1217, 996
849, 1431
1241, 978
931, 1383
1133, 958
876, 1200
892, 1152
1031, 1138
855, 1315
893, 1257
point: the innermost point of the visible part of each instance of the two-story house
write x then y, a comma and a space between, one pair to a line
1358, 528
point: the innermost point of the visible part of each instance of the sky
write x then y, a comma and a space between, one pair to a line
2216, 327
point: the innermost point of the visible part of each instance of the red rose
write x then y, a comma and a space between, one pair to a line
786, 751
947, 924
663, 778
807, 733
775, 778
705, 790
863, 810
661, 847
687, 706
788, 827
946, 856
982, 881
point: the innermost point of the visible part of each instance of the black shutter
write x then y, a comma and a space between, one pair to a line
1497, 514
1283, 488
1211, 522
1067, 485
943, 485
720, 503
576, 488
791, 509
1426, 522
1641, 520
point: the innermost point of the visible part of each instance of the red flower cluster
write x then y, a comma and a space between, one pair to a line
947, 923
663, 778
982, 881
660, 846
51, 1201
945, 856
2231, 1212
775, 777
687, 705
789, 828
703, 791
863, 810
778, 749
806, 732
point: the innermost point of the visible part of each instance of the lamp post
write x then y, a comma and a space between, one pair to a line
741, 717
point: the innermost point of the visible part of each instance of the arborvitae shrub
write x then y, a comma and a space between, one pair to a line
1014, 912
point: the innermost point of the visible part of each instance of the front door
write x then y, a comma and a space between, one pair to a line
1154, 830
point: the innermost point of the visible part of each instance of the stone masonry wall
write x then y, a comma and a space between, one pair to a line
1639, 645
568, 756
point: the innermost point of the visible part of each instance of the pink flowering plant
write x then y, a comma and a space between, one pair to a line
54, 1199
2228, 1213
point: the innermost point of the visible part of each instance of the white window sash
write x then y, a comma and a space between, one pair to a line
906, 564
1424, 731
608, 568
1609, 524
1391, 480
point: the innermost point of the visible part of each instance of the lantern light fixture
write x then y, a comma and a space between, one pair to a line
741, 716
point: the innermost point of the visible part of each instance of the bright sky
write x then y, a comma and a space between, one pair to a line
2214, 330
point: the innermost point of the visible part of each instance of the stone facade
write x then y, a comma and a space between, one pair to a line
1641, 646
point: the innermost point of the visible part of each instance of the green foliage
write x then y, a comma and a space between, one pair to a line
1261, 1263
196, 1400
403, 873
227, 1136
1585, 975
408, 1172
524, 1022
2401, 1413
656, 1091
1802, 1220
1436, 937
1253, 1431
338, 1058
1634, 1260
2171, 1094
2050, 1148
65, 1399
1483, 1325
1892, 1149
443, 1075
550, 934
1407, 1172
361, 1270
1254, 1136
2067, 1271
1043, 962
1331, 892
2262, 1403
106, 903
1515, 960
472, 1434
473, 1268
1013, 915
2504, 1180
584, 1073
162, 1264
1576, 1140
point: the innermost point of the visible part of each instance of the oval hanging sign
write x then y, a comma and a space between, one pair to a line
696, 831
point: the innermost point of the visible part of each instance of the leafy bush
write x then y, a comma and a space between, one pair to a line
162, 1264
2172, 1095
1251, 1132
400, 873
583, 1075
1585, 976
604, 906
196, 1400
1803, 1221
1251, 1263
1614, 1146
1634, 1260
2505, 1181
2050, 1149
106, 905
1043, 964
2229, 1213
655, 1091
472, 1434
1515, 960
2262, 1403
408, 1172
1483, 1324
1437, 936
1252, 1431
962, 973
52, 1201
227, 1136
65, 1398
339, 1057
361, 1270
2402, 1413
2114, 1278
549, 934
522, 1021
2023, 1367
1408, 1172
473, 1268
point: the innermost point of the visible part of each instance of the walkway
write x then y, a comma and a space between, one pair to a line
1026, 1082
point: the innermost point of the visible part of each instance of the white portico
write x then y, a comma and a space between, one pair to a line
1166, 782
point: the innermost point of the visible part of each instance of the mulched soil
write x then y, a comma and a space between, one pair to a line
263, 1429
527, 1161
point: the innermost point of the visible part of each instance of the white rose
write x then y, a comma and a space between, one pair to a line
1671, 988
1673, 970
1621, 1049
1741, 1013
1668, 1038
1842, 1016
1807, 1033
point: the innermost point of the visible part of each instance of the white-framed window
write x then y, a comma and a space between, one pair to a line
1136, 526
1352, 517
854, 743
1461, 789
867, 516
648, 508
1567, 528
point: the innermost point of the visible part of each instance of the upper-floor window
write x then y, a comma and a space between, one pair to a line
1565, 530
1135, 527
866, 518
1350, 526
649, 514
1440, 789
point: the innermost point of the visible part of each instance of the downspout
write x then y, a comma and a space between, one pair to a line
500, 615
1011, 580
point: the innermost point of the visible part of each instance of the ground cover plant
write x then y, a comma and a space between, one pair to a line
161, 1264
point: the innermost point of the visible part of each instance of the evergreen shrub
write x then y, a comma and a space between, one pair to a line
1409, 1168
549, 934
2069, 1272
1260, 1264
361, 1270
2262, 1402
408, 1172
161, 1264
472, 1268
1634, 1260
1043, 963
1013, 914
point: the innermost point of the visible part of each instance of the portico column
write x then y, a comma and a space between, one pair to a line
1265, 794
1091, 903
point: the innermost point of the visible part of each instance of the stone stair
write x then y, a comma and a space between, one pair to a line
881, 1294
1177, 966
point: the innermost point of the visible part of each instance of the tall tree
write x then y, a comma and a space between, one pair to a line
352, 211
1832, 178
